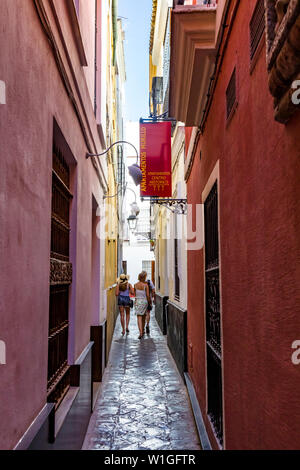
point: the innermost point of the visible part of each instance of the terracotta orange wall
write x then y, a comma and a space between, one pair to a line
188, 134
260, 252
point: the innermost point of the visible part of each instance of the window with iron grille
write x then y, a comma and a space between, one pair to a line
61, 197
257, 27
143, 225
147, 266
213, 320
58, 369
231, 94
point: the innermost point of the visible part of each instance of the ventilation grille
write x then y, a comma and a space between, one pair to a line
257, 27
231, 93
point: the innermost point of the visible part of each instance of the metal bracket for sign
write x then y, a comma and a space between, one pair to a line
156, 119
161, 118
177, 206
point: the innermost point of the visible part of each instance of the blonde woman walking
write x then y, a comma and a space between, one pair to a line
142, 299
122, 291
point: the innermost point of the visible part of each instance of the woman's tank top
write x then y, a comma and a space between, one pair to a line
141, 294
124, 293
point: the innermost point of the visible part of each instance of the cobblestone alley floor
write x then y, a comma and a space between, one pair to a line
143, 403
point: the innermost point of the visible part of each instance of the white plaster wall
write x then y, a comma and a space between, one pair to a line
134, 255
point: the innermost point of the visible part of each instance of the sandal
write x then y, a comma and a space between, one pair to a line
127, 331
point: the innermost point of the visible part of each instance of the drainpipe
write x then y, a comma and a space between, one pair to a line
114, 25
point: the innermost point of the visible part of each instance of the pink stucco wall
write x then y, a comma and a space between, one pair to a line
36, 95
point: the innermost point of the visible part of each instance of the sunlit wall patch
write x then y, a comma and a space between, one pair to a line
2, 352
2, 92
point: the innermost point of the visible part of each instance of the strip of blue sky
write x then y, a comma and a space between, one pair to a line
137, 33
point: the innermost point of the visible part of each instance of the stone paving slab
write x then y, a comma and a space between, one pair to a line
143, 403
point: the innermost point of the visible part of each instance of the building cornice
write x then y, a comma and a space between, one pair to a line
153, 17
77, 32
193, 53
188, 165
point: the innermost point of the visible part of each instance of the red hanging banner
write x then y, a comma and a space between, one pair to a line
155, 150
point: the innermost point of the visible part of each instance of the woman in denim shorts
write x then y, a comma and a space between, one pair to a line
123, 290
142, 300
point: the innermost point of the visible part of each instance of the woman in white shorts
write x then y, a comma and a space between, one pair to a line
142, 299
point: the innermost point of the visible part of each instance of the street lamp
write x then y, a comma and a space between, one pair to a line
132, 221
134, 170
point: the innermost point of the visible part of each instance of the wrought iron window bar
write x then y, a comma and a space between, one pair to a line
213, 317
58, 381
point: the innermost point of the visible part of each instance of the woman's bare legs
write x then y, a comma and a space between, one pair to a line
147, 319
140, 324
122, 318
127, 318
143, 323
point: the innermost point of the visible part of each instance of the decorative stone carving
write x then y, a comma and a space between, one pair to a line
271, 20
60, 272
283, 53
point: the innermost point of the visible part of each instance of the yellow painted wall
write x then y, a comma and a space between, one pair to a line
111, 265
161, 224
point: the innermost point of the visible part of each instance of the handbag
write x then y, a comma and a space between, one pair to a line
131, 303
150, 292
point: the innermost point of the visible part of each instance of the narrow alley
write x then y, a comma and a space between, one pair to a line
149, 167
143, 403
